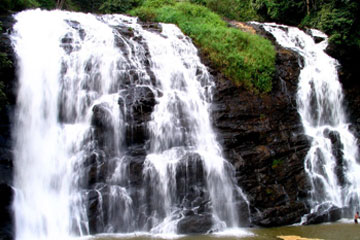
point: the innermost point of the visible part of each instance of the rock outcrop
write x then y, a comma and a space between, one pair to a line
7, 102
324, 213
262, 137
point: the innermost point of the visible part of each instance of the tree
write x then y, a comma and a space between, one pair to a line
60, 4
308, 6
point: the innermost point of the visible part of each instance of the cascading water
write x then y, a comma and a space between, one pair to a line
331, 162
113, 131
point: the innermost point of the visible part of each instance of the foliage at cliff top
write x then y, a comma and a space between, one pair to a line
339, 19
247, 59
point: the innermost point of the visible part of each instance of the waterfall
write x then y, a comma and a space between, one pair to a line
332, 160
112, 131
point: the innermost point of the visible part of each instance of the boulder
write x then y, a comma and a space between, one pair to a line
337, 149
281, 215
195, 224
324, 213
190, 180
137, 104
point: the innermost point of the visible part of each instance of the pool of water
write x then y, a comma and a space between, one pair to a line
343, 230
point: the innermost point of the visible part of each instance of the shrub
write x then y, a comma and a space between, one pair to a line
240, 10
199, 2
246, 59
282, 11
119, 6
158, 3
47, 4
17, 5
339, 20
145, 14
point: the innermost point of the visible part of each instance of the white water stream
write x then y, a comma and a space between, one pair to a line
75, 69
332, 161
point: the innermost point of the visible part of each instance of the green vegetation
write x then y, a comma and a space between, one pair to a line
245, 58
282, 11
337, 18
116, 6
240, 10
340, 19
17, 5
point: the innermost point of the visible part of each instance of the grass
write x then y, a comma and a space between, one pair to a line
245, 58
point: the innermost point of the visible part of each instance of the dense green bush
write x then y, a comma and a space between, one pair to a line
245, 58
199, 2
340, 19
47, 4
282, 11
158, 3
17, 5
240, 10
119, 6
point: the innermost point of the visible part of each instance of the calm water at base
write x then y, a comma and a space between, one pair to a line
337, 231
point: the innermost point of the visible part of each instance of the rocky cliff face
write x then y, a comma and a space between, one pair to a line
7, 76
262, 137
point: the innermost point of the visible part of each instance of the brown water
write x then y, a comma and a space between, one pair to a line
335, 231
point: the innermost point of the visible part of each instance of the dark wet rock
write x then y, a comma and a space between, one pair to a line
127, 32
102, 117
6, 213
7, 106
324, 213
280, 215
136, 170
93, 209
262, 137
349, 71
192, 196
190, 180
337, 149
317, 39
351, 88
154, 27
66, 43
137, 103
94, 168
104, 129
195, 224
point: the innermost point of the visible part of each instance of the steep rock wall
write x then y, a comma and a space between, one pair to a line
262, 137
7, 77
